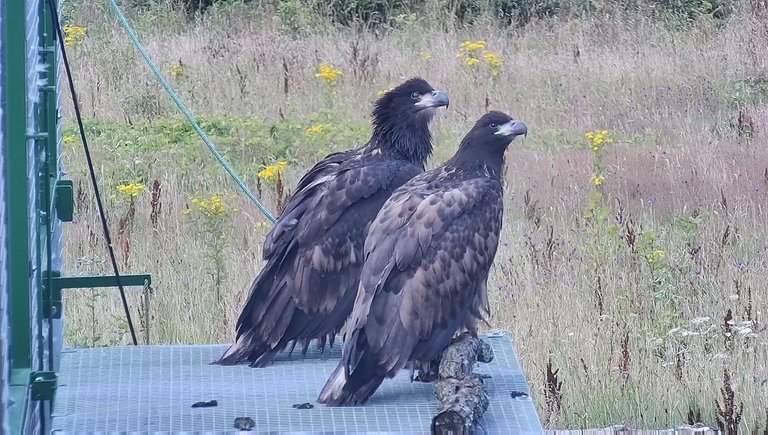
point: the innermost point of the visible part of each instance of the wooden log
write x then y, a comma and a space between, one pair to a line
459, 358
462, 394
455, 361
462, 404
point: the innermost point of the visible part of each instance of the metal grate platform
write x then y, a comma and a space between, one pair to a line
152, 388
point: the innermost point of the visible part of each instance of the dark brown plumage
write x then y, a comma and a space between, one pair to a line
427, 257
313, 255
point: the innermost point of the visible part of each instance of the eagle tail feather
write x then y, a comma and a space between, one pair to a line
244, 350
340, 391
238, 352
262, 323
232, 356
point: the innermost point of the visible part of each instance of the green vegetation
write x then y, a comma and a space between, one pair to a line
298, 15
631, 272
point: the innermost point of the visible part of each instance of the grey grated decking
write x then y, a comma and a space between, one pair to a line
152, 388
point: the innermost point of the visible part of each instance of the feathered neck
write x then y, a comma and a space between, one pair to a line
412, 140
477, 157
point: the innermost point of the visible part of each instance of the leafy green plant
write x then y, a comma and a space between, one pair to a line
210, 217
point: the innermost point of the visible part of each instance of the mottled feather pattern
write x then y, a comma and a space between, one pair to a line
427, 257
314, 253
322, 249
421, 256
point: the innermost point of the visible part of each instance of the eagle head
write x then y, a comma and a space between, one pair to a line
410, 104
498, 129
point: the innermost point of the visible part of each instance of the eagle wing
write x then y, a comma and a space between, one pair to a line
313, 252
428, 254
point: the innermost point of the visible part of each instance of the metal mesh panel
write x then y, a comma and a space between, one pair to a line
152, 388
4, 327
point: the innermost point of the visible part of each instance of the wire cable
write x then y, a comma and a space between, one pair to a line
187, 114
102, 216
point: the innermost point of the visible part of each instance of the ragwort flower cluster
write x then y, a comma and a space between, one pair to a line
273, 172
131, 190
73, 35
597, 141
315, 130
328, 73
473, 53
212, 206
177, 69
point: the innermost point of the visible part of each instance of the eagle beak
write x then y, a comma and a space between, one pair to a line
434, 99
513, 128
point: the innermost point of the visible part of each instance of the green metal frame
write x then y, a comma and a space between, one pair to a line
52, 299
18, 219
16, 161
54, 201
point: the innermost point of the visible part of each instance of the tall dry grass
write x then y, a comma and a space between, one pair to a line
609, 331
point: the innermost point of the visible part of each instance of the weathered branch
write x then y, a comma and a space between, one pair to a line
460, 357
462, 394
462, 404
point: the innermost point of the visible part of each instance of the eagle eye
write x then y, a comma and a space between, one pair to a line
415, 95
493, 125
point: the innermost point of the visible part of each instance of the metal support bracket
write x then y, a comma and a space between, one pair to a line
43, 385
64, 200
52, 300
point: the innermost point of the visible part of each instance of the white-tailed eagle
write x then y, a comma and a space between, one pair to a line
314, 253
427, 257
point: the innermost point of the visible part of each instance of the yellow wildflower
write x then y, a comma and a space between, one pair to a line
272, 172
655, 256
382, 92
212, 206
131, 190
426, 55
316, 129
470, 46
597, 180
69, 138
262, 225
73, 35
597, 139
176, 69
328, 73
493, 59
473, 52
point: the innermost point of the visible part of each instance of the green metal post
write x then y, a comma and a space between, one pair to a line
48, 41
40, 217
16, 161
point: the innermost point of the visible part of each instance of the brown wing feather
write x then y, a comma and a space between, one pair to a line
428, 254
314, 254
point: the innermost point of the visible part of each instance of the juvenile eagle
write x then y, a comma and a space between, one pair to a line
427, 257
313, 255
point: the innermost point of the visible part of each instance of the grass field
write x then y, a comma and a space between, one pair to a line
632, 271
